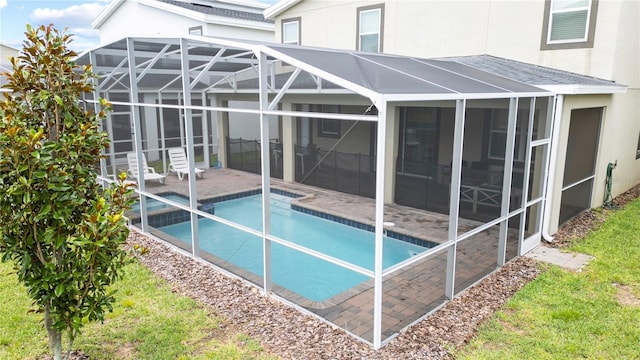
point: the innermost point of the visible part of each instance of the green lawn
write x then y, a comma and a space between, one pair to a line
593, 314
148, 322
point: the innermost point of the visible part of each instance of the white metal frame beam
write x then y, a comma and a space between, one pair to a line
266, 171
188, 124
507, 175
137, 134
454, 199
208, 66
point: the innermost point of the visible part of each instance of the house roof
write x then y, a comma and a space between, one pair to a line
211, 9
197, 9
559, 81
218, 65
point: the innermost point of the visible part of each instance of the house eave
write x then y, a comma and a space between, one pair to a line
221, 20
278, 8
208, 19
577, 89
106, 13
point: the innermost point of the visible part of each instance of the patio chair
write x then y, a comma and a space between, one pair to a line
149, 173
179, 165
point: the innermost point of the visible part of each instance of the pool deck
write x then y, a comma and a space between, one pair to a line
408, 294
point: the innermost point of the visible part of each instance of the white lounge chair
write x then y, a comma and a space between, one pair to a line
149, 173
179, 165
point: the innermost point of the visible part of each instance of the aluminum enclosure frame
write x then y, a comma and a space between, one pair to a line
181, 66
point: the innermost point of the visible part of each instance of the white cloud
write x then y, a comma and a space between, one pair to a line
3, 3
74, 16
77, 18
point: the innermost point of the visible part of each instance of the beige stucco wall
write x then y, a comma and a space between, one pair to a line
618, 142
510, 29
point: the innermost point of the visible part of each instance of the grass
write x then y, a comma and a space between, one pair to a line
148, 322
592, 314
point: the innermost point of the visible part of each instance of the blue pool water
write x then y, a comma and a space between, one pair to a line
306, 275
153, 204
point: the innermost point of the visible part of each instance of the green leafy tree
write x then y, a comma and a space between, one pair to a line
60, 228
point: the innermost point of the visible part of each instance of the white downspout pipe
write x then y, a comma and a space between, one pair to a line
555, 134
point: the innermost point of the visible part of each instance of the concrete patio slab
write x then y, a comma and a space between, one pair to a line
567, 260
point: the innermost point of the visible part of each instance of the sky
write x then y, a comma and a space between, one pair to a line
76, 15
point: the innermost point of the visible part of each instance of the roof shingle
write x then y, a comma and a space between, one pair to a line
219, 11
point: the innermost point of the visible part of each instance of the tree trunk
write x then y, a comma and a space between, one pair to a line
55, 336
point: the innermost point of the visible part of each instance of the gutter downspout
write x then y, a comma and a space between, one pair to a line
555, 133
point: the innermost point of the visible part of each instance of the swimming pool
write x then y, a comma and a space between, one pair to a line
153, 204
308, 276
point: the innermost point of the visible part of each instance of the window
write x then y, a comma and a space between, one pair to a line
638, 150
329, 128
370, 26
291, 31
197, 30
569, 24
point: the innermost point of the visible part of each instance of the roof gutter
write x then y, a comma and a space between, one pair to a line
577, 89
555, 134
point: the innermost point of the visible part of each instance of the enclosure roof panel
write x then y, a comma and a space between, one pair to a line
213, 62
393, 74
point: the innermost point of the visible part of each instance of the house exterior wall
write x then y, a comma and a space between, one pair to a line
617, 144
513, 30
6, 52
509, 29
133, 18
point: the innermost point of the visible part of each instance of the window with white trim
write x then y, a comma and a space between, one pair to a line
568, 21
291, 31
370, 29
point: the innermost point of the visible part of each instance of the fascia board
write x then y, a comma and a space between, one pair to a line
249, 24
255, 4
174, 9
584, 89
459, 96
9, 46
210, 19
106, 13
278, 8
